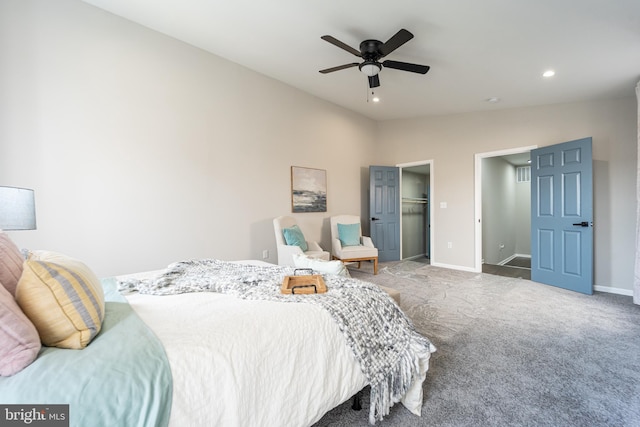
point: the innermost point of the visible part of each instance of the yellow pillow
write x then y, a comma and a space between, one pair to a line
63, 299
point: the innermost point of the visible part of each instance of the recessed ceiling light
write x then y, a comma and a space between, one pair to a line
549, 73
493, 99
375, 98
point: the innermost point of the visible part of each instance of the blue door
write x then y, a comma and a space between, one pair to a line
562, 215
384, 211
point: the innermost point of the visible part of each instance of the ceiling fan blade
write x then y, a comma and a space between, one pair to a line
374, 81
334, 41
338, 68
405, 66
398, 39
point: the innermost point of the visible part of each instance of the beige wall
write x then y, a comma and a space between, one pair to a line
452, 141
523, 218
144, 150
499, 220
506, 212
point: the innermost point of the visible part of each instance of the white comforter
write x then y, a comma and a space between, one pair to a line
253, 363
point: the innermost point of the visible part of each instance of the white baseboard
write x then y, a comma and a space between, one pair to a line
504, 261
411, 258
455, 267
612, 290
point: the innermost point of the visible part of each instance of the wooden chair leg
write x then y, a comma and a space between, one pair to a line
375, 265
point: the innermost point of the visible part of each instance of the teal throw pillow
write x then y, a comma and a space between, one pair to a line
349, 234
294, 237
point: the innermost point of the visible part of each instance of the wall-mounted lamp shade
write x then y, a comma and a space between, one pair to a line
17, 209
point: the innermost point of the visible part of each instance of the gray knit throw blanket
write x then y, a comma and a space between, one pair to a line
382, 338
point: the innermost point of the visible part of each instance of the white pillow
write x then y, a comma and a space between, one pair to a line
321, 266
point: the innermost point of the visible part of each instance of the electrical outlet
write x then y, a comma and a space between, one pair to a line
265, 254
449, 245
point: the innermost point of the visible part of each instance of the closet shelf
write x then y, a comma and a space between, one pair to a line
413, 200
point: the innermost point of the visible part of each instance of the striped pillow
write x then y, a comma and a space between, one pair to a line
64, 300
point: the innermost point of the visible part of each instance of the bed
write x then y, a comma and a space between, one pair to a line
204, 359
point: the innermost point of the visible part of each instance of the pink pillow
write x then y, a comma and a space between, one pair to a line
10, 263
19, 339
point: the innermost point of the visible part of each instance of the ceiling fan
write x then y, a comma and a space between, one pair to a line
372, 51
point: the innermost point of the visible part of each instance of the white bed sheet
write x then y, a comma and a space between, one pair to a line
253, 363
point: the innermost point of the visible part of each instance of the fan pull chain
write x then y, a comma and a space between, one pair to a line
374, 98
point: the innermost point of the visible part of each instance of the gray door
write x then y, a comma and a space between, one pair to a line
562, 215
384, 211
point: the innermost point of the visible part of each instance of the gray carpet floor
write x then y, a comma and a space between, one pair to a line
512, 352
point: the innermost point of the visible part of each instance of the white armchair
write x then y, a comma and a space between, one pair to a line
351, 246
285, 251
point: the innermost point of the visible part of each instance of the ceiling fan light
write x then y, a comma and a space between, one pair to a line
370, 68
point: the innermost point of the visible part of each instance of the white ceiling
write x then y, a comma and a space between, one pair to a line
476, 49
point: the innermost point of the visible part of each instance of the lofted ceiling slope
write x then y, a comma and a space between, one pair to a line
477, 50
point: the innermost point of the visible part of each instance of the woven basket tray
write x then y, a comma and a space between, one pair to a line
306, 284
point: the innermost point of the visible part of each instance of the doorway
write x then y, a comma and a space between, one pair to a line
416, 227
503, 239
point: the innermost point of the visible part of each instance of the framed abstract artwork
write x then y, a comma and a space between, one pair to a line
308, 189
